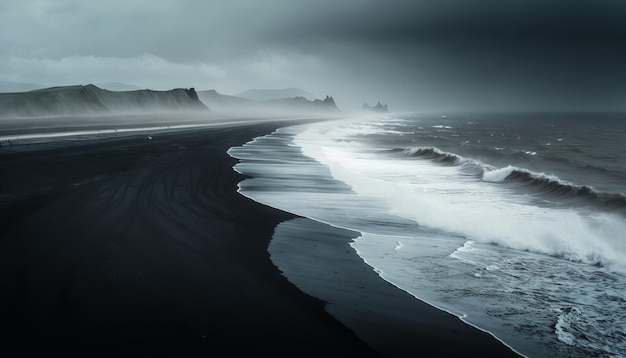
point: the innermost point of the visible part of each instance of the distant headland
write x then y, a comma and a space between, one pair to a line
278, 105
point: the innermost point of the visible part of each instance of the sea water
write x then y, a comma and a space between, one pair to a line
516, 222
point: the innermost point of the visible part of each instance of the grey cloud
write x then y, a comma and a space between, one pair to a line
413, 54
147, 70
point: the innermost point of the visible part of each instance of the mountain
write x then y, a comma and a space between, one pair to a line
302, 104
11, 87
282, 106
270, 94
89, 99
225, 103
377, 108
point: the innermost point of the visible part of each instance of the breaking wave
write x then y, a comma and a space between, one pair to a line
537, 183
551, 185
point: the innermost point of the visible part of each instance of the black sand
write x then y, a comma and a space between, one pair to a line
129, 246
390, 320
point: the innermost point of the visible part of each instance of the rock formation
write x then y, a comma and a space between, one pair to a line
297, 105
377, 108
89, 99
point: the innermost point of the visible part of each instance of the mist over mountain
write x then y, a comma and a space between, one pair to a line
270, 94
117, 86
81, 100
89, 99
282, 106
300, 103
380, 108
10, 87
224, 103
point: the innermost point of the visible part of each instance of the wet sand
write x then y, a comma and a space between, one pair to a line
318, 259
129, 246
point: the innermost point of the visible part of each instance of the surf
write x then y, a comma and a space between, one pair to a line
454, 230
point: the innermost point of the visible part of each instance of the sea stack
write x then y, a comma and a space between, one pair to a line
377, 108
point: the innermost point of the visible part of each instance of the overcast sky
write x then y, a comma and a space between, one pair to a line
414, 55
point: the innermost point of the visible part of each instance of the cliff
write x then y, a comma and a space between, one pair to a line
89, 99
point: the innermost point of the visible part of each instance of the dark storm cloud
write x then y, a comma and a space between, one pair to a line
414, 54
551, 54
410, 23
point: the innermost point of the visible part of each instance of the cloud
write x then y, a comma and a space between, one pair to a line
266, 69
425, 54
275, 69
146, 70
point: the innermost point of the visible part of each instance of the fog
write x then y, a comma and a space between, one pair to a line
413, 55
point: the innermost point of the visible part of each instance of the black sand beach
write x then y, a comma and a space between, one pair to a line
128, 246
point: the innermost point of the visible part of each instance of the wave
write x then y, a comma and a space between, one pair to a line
434, 154
466, 214
447, 197
592, 164
500, 233
545, 184
537, 183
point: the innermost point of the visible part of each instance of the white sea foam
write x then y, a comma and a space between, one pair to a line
443, 198
498, 175
564, 323
458, 253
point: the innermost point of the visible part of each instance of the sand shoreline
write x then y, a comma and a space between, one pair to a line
128, 246
318, 259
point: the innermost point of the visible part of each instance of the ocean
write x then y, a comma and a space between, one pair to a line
514, 222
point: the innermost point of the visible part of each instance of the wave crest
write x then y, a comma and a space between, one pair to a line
434, 154
537, 183
545, 184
